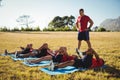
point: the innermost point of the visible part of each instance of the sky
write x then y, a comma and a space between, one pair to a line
43, 11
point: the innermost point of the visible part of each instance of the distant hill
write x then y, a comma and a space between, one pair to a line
111, 24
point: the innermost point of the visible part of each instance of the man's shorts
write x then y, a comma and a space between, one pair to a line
84, 35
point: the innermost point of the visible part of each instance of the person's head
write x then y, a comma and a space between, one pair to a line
81, 12
45, 45
62, 50
30, 45
65, 49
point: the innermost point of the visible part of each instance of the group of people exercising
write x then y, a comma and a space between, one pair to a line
60, 56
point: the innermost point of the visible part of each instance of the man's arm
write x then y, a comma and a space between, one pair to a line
91, 24
77, 26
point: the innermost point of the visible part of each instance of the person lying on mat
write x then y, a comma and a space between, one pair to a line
57, 56
87, 61
25, 50
40, 52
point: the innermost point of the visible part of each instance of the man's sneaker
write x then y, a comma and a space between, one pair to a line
6, 52
51, 67
77, 51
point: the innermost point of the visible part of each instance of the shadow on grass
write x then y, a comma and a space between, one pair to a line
113, 72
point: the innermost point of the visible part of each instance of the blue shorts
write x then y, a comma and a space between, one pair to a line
83, 35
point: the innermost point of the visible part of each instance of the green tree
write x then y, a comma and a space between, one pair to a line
71, 21
15, 29
101, 29
37, 28
22, 29
4, 29
59, 22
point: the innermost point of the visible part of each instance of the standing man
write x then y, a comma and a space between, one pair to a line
83, 28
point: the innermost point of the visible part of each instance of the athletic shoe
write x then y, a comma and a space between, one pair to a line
29, 61
6, 52
80, 54
25, 60
16, 54
51, 67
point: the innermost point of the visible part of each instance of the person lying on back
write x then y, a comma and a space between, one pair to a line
87, 61
40, 52
25, 50
57, 56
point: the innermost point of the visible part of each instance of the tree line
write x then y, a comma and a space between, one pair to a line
64, 23
5, 29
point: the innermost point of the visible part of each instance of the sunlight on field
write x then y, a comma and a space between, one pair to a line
107, 44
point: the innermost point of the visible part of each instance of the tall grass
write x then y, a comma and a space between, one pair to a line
107, 44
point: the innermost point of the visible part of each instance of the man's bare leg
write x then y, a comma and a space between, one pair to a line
89, 44
79, 44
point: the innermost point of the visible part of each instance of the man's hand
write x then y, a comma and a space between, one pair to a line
77, 29
88, 29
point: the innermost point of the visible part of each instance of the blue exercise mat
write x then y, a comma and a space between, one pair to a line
42, 63
66, 70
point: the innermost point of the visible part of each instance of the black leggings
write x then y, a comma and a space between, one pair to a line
85, 62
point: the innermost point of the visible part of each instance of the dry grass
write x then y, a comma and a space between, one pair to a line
107, 44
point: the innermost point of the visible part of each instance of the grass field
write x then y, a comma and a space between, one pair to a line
107, 44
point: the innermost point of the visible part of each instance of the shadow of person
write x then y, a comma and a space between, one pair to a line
113, 72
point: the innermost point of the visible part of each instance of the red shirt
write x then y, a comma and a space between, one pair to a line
67, 58
31, 49
96, 63
83, 21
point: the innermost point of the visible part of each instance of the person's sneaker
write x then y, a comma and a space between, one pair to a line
16, 54
6, 52
51, 67
25, 60
29, 62
80, 54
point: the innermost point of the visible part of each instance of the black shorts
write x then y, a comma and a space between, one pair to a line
57, 58
85, 62
41, 53
83, 35
25, 51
